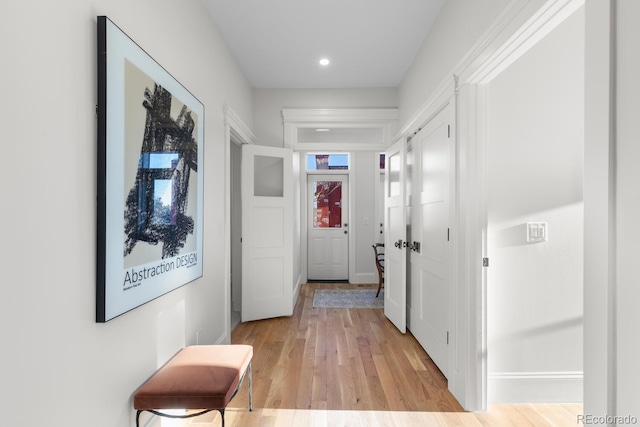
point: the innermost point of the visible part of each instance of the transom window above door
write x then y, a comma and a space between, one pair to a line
327, 162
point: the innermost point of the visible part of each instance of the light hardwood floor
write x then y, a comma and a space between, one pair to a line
351, 367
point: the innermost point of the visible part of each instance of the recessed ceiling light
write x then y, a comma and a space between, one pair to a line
322, 130
324, 62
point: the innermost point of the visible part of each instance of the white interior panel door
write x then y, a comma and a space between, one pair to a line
267, 227
328, 228
395, 262
431, 264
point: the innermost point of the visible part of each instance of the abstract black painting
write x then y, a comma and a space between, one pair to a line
150, 177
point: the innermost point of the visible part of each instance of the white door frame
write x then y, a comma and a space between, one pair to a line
472, 124
384, 120
600, 299
233, 124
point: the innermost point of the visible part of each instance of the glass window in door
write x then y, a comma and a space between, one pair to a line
327, 204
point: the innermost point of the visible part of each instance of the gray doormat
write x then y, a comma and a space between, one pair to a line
348, 298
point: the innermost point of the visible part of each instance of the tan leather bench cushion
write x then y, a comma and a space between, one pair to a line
198, 377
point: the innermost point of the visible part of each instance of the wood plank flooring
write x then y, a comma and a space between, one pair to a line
517, 415
351, 367
340, 359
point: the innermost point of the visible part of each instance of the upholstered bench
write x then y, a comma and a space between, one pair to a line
204, 377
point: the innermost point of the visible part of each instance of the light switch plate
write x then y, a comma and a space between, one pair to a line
536, 232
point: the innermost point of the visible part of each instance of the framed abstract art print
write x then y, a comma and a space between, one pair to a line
150, 177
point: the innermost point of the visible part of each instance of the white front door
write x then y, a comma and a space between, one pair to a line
328, 227
267, 232
431, 264
395, 261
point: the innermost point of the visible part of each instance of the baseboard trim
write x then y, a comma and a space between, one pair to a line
366, 278
535, 387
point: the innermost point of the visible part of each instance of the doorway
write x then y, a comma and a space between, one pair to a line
534, 177
236, 231
328, 229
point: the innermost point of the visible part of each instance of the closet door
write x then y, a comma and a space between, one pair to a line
431, 262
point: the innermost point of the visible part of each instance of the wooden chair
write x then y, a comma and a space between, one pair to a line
379, 264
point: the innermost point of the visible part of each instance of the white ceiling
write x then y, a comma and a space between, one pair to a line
278, 43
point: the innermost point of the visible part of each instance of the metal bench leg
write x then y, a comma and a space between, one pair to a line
222, 415
162, 414
250, 388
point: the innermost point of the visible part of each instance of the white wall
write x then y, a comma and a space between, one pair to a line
628, 210
363, 215
457, 28
58, 365
298, 274
535, 174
